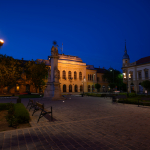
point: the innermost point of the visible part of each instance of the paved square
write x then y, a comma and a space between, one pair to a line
91, 123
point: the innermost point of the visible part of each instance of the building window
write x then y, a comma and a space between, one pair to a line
75, 75
64, 74
69, 75
146, 74
126, 61
80, 75
92, 77
76, 88
64, 88
70, 88
140, 76
88, 77
97, 79
27, 88
89, 88
81, 88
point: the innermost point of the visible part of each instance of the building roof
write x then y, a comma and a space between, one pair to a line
100, 70
143, 60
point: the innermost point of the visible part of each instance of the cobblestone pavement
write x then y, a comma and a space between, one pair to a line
89, 123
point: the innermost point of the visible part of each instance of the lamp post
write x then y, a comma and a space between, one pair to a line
83, 86
93, 82
112, 70
1, 43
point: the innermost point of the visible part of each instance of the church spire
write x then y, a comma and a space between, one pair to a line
125, 56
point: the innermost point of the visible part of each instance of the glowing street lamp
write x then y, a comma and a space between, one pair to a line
1, 43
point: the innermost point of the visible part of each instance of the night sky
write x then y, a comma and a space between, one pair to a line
94, 30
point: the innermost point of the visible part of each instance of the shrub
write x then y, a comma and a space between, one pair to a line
5, 106
21, 113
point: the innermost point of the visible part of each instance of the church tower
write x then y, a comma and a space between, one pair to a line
125, 59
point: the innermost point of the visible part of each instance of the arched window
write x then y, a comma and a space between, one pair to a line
80, 75
103, 88
88, 77
27, 88
89, 88
64, 88
81, 88
70, 88
76, 88
75, 75
69, 74
64, 74
58, 74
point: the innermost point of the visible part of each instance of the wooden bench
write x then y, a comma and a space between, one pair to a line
31, 103
144, 100
40, 106
118, 97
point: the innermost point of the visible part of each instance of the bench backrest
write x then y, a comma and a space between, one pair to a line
121, 96
145, 98
40, 105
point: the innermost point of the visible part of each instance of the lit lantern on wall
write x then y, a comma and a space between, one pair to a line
1, 43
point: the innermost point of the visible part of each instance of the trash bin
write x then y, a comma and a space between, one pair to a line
113, 99
19, 100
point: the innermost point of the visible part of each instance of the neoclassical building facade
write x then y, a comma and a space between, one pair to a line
76, 76
136, 72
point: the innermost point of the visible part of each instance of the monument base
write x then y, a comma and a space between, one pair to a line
53, 91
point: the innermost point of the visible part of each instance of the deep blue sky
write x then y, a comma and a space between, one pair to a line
94, 30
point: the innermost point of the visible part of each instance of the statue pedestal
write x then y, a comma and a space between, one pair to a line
53, 91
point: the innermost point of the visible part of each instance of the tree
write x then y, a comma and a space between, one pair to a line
115, 78
37, 73
146, 85
10, 71
97, 86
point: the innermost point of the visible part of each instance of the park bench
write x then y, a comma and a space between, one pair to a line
32, 104
118, 97
144, 100
39, 106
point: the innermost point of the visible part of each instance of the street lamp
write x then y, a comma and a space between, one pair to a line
83, 86
1, 43
113, 73
93, 82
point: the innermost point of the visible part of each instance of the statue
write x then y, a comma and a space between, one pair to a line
52, 51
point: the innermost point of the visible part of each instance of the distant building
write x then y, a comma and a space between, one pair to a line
136, 72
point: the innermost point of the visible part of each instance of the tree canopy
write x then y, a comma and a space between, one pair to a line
114, 78
10, 71
97, 86
36, 73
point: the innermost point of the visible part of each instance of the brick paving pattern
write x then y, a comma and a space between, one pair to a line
83, 123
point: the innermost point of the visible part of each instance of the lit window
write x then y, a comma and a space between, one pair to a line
75, 75
64, 74
80, 75
69, 75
